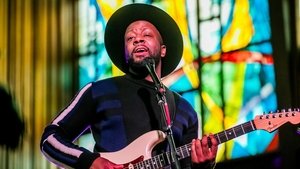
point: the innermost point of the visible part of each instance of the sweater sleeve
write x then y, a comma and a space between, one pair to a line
190, 133
57, 142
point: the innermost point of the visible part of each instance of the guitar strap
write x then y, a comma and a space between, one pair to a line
171, 104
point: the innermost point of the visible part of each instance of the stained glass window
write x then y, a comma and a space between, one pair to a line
226, 72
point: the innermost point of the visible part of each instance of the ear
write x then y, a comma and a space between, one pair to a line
163, 50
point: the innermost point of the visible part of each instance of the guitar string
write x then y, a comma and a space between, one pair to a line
185, 150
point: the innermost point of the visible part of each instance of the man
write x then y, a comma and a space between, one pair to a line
120, 110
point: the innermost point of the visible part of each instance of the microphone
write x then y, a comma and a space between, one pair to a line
150, 65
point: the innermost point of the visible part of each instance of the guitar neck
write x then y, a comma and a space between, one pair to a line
223, 136
165, 159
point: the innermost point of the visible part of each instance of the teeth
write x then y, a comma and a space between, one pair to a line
140, 50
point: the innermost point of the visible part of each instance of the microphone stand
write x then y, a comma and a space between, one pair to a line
162, 101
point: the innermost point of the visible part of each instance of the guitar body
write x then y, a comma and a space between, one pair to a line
138, 154
139, 150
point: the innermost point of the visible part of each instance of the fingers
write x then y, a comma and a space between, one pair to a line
196, 151
207, 147
204, 149
214, 144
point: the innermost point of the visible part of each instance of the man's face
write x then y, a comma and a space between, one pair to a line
143, 40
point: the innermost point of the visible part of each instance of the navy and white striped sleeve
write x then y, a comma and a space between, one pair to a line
57, 140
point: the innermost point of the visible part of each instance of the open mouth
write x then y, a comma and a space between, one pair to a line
140, 50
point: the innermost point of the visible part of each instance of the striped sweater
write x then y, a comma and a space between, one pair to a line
117, 111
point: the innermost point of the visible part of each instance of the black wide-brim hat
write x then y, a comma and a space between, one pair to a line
124, 16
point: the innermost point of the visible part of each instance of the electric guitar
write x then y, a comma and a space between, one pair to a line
138, 153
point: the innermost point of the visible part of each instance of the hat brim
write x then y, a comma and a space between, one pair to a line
169, 30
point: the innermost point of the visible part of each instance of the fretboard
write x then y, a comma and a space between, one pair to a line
165, 159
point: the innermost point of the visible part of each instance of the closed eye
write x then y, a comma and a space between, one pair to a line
128, 39
147, 35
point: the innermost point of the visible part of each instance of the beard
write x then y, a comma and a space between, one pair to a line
139, 69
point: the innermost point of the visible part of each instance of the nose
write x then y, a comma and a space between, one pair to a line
138, 39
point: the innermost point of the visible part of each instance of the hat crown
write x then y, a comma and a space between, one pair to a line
167, 27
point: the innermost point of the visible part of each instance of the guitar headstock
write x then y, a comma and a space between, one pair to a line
273, 121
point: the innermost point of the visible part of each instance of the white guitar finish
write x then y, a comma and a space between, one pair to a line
141, 147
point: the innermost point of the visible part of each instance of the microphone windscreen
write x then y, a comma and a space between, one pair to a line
148, 61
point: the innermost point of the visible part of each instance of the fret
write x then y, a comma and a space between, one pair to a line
159, 164
225, 134
239, 130
248, 127
151, 163
181, 154
234, 132
219, 139
147, 164
183, 151
242, 128
155, 163
186, 151
229, 134
140, 165
161, 160
222, 137
144, 164
253, 127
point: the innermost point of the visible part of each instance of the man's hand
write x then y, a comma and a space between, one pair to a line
102, 163
204, 150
